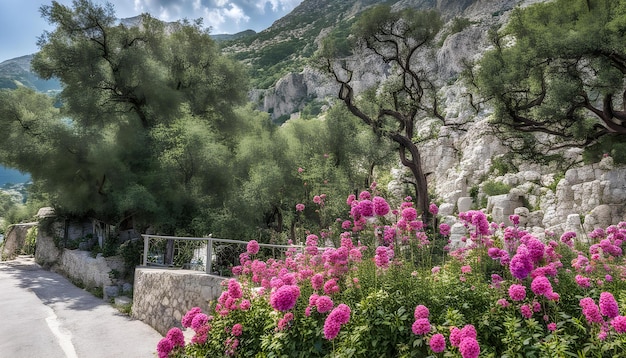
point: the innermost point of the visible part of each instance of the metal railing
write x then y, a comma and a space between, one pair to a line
209, 248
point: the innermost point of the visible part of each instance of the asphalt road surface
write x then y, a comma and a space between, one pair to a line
42, 314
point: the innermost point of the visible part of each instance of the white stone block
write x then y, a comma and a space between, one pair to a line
464, 204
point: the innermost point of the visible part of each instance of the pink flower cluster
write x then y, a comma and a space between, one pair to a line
421, 326
465, 339
284, 298
171, 341
199, 322
383, 256
337, 317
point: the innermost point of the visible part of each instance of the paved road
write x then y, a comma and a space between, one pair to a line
43, 315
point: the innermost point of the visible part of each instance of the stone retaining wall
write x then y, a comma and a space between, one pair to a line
163, 296
91, 272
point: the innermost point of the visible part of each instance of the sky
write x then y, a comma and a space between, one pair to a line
21, 23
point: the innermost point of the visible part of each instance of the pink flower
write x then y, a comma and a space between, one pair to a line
164, 347
198, 321
444, 229
590, 310
351, 198
433, 209
421, 311
583, 281
324, 304
503, 303
437, 343
175, 335
455, 336
366, 208
253, 247
337, 317
234, 289
244, 305
237, 330
300, 170
608, 305
466, 269
364, 195
468, 331
517, 292
521, 263
469, 348
421, 326
346, 224
382, 257
619, 324
541, 286
285, 297
317, 281
201, 335
188, 318
526, 311
409, 214
536, 248
381, 208
552, 326
567, 237
283, 323
299, 207
331, 287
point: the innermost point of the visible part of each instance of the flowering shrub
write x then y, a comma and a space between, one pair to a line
501, 292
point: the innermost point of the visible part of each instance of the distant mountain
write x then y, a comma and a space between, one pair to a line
17, 72
237, 36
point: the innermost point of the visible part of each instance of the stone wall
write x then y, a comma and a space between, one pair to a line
90, 271
163, 296
14, 240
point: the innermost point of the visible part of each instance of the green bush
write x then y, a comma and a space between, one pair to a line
31, 241
492, 188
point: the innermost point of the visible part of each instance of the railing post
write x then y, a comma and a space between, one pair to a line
209, 255
146, 243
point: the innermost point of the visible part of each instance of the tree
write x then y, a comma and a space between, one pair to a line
146, 121
392, 109
556, 76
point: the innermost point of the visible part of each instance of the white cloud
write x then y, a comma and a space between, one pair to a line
223, 16
279, 5
217, 17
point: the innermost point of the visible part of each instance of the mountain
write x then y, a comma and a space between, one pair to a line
278, 57
17, 72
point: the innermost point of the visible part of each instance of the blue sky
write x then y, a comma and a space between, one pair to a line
21, 23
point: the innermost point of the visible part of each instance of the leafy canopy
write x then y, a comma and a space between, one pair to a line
146, 120
556, 76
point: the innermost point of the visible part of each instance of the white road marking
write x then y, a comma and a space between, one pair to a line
65, 339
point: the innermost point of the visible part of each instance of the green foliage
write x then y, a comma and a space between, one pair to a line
31, 241
459, 24
501, 165
613, 146
146, 122
131, 252
554, 75
492, 187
